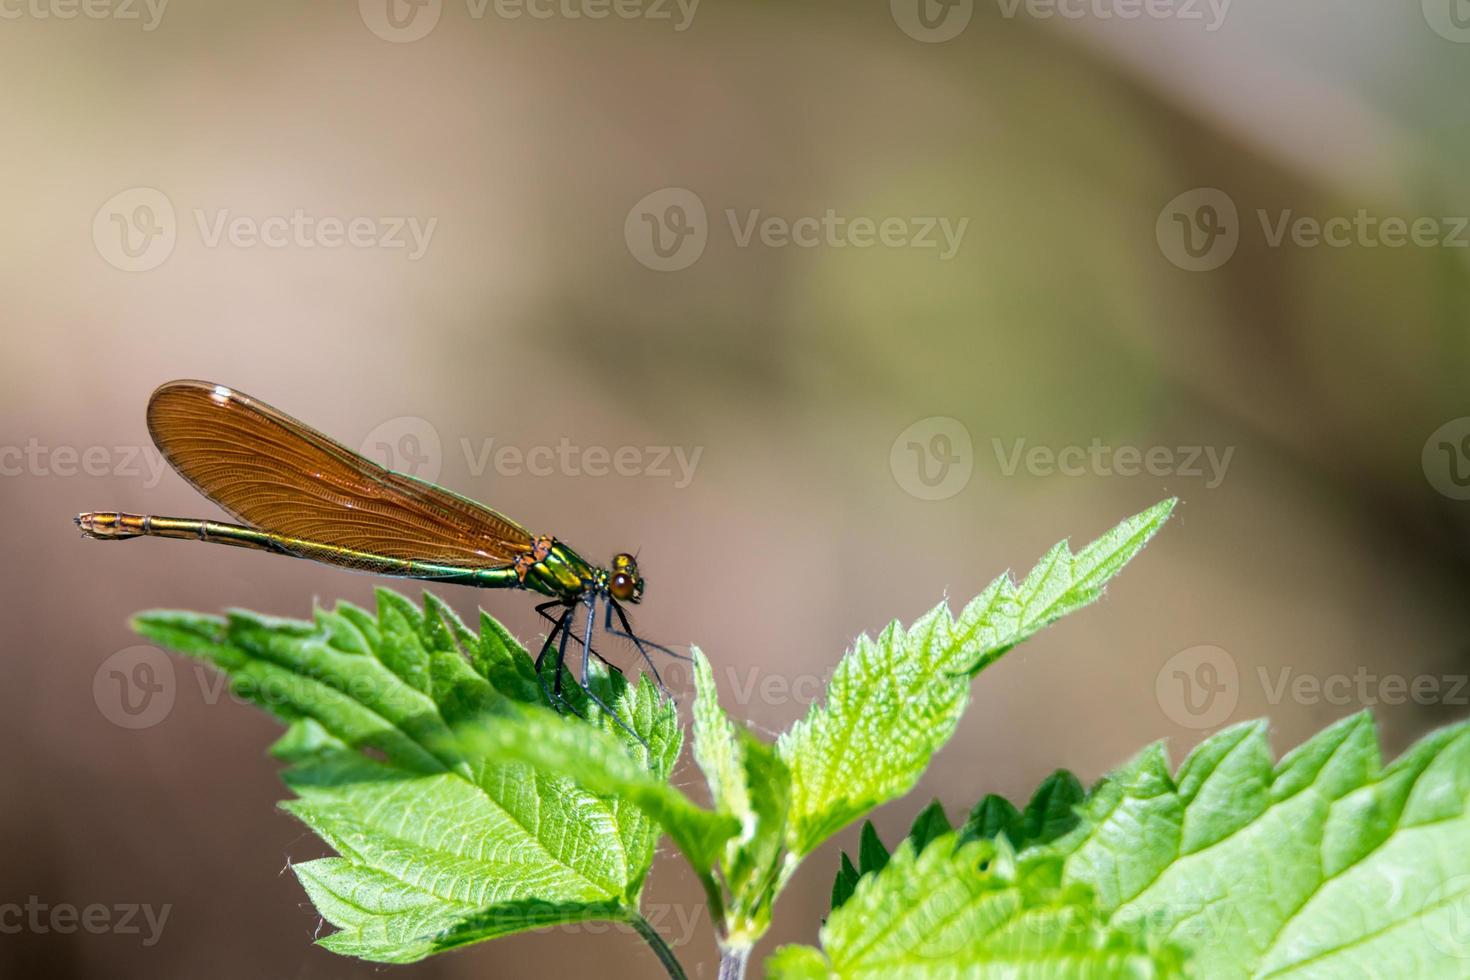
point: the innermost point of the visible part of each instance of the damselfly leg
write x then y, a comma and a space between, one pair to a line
558, 638
586, 658
553, 693
553, 620
627, 633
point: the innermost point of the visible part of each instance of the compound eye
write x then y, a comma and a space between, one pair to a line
621, 587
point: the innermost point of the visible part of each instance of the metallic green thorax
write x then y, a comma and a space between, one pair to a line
562, 574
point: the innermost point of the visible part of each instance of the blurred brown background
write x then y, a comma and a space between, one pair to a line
153, 166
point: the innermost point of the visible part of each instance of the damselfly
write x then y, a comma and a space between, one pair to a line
296, 492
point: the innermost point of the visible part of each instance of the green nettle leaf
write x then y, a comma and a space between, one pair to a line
930, 825
440, 842
846, 882
872, 855
600, 762
895, 700
1322, 865
462, 808
1051, 813
749, 782
953, 910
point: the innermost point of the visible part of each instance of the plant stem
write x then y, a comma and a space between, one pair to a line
713, 896
732, 962
660, 948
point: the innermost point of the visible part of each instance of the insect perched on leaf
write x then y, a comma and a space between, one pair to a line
298, 493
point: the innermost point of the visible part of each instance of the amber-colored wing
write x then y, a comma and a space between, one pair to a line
277, 475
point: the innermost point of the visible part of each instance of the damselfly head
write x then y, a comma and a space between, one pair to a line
625, 584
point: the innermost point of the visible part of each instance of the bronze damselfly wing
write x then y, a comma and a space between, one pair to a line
297, 492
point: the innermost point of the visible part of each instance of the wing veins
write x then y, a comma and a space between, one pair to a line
280, 476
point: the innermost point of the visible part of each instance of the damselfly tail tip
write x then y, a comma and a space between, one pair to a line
109, 525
